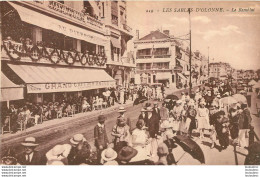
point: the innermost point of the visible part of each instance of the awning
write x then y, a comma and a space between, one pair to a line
163, 76
115, 42
182, 76
46, 79
144, 46
9, 90
46, 22
154, 60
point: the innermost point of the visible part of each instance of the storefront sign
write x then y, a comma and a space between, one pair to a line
67, 87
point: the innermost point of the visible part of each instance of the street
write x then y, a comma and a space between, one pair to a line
59, 131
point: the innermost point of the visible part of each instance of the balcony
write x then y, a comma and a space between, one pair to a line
67, 13
162, 56
144, 56
127, 28
18, 52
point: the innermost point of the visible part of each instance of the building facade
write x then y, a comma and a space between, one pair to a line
220, 70
160, 58
120, 64
56, 49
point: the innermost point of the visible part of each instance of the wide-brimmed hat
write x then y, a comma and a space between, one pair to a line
155, 103
76, 139
162, 149
218, 95
178, 102
126, 153
57, 150
149, 109
182, 93
108, 154
166, 124
101, 118
143, 110
10, 154
121, 109
30, 142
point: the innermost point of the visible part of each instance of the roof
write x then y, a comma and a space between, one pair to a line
155, 35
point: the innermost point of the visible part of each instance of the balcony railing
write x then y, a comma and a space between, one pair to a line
162, 56
143, 56
40, 54
127, 28
68, 13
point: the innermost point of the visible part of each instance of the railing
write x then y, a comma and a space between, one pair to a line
162, 56
35, 53
143, 56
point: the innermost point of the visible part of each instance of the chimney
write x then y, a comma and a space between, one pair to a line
167, 32
137, 34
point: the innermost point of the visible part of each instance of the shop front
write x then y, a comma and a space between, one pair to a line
49, 84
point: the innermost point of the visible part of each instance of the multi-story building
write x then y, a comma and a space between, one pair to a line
120, 64
220, 70
160, 58
59, 49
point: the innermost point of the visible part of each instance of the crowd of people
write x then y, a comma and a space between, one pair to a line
151, 141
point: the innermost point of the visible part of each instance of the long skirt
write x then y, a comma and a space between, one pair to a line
203, 123
176, 125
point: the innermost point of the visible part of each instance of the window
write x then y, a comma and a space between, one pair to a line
54, 39
86, 46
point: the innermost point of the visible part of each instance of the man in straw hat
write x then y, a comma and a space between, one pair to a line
121, 112
126, 154
78, 145
100, 136
30, 156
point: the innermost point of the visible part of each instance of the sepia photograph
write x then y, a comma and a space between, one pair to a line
130, 83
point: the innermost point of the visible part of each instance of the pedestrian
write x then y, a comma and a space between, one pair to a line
177, 110
166, 130
191, 119
100, 136
143, 114
58, 153
222, 131
9, 158
164, 113
235, 116
109, 157
156, 110
122, 114
203, 118
125, 155
244, 125
80, 150
152, 123
30, 156
162, 152
121, 134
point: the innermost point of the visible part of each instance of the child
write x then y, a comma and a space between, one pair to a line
100, 136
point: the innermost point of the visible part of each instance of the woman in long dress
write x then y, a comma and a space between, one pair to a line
203, 118
177, 110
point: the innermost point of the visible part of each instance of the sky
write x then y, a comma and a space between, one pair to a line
231, 36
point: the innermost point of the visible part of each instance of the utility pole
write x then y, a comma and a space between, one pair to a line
208, 64
190, 84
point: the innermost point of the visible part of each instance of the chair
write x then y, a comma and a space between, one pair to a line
22, 122
7, 124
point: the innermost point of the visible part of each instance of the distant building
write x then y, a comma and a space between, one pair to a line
160, 58
220, 70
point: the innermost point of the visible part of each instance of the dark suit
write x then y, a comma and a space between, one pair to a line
153, 125
157, 113
37, 159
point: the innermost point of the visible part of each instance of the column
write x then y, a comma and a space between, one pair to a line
77, 44
36, 35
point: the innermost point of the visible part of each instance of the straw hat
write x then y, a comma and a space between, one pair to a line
143, 110
76, 139
121, 109
30, 142
109, 154
179, 102
57, 150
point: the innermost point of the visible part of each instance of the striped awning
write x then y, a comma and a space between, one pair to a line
9, 90
44, 79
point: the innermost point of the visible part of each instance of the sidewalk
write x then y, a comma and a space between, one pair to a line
46, 125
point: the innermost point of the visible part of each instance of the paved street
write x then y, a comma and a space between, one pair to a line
59, 131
